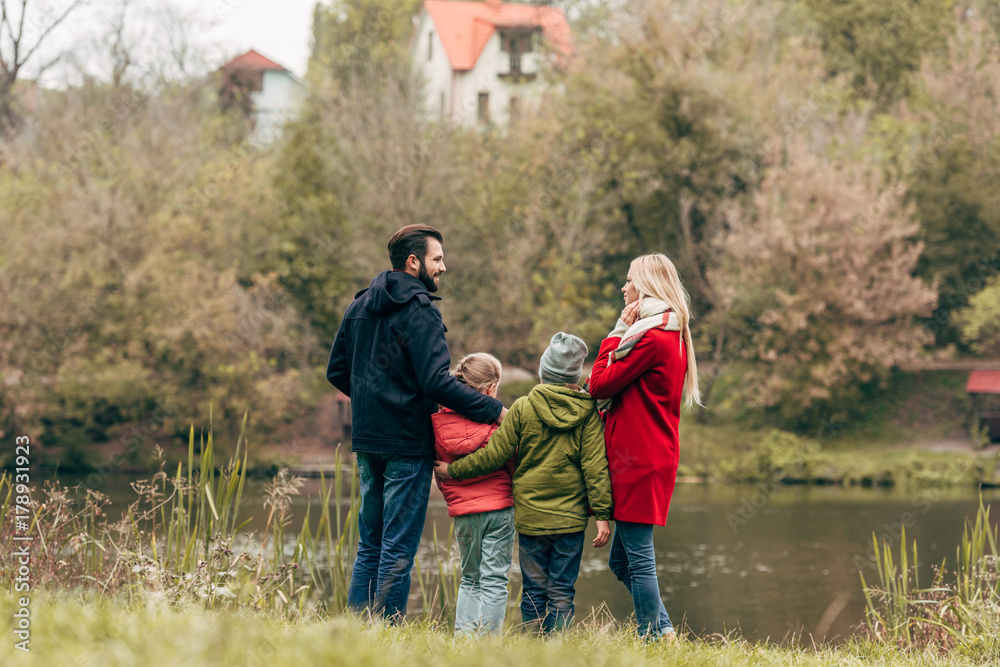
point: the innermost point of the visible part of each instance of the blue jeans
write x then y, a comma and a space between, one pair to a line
394, 493
550, 565
633, 561
486, 544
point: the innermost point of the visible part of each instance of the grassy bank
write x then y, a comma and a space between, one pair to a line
730, 454
886, 443
69, 630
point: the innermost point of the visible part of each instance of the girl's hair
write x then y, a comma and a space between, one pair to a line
479, 370
656, 276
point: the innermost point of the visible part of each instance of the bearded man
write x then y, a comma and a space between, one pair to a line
391, 358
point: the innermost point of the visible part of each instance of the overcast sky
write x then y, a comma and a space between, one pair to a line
217, 29
279, 30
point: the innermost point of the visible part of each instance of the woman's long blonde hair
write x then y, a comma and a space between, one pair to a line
479, 370
656, 276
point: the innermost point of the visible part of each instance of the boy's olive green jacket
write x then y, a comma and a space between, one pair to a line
561, 464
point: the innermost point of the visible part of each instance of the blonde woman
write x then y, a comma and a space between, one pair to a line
646, 366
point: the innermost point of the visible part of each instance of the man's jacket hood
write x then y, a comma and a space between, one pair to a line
560, 407
391, 291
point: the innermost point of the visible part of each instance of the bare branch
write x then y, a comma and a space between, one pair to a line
15, 60
3, 17
4, 21
121, 51
44, 68
20, 28
52, 26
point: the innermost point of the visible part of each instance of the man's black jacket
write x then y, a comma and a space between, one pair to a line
390, 356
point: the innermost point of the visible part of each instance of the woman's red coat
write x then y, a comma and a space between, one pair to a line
641, 429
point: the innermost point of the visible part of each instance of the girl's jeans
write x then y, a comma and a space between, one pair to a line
486, 544
550, 565
633, 561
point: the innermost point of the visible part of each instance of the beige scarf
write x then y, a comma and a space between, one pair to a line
653, 314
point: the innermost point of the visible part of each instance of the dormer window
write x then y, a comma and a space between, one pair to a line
515, 42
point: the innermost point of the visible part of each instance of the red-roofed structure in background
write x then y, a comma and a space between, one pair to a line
465, 27
267, 93
251, 60
983, 382
984, 387
481, 60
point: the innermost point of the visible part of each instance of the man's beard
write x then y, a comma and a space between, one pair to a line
426, 279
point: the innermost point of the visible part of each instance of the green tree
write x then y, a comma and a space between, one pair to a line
358, 164
955, 181
959, 224
352, 36
820, 289
127, 273
524, 213
534, 225
980, 321
878, 46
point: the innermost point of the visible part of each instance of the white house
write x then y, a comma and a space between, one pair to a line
480, 60
268, 93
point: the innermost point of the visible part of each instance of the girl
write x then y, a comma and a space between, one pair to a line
483, 507
646, 366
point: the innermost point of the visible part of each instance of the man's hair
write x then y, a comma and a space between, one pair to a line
410, 240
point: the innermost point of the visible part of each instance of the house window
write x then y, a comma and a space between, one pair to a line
517, 40
515, 43
430, 45
515, 110
441, 104
484, 108
257, 81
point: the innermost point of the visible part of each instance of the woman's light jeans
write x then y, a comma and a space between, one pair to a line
486, 543
633, 561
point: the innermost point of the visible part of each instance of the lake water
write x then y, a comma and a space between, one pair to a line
766, 560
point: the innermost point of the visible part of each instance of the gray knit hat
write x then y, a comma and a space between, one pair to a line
562, 361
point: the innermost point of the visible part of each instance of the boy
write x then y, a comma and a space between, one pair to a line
561, 470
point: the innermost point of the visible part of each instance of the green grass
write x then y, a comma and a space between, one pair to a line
70, 630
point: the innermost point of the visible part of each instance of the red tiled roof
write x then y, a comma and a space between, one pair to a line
983, 382
465, 27
252, 60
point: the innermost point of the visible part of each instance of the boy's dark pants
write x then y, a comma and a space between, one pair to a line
550, 565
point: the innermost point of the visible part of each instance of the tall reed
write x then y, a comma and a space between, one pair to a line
182, 539
959, 611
